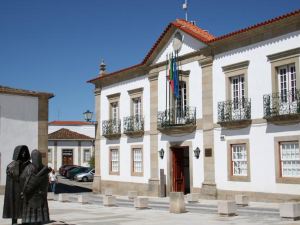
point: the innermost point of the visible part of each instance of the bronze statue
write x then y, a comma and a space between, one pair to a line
12, 207
34, 179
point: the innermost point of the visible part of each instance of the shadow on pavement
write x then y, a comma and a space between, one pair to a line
65, 188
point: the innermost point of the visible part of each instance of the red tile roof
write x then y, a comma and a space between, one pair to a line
66, 134
197, 33
70, 123
17, 91
256, 26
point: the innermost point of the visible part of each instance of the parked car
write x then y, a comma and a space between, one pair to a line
62, 168
67, 168
73, 172
89, 176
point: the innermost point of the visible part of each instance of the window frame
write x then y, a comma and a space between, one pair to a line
232, 177
113, 99
280, 59
277, 152
133, 173
110, 160
136, 93
84, 150
234, 70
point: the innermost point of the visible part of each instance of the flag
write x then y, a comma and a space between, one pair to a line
175, 78
171, 73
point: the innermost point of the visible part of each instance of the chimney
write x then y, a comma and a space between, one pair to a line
102, 68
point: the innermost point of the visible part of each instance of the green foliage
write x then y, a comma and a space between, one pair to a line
92, 161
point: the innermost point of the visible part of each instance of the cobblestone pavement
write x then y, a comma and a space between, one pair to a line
202, 213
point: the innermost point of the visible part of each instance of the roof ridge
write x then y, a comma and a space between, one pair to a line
65, 133
203, 36
266, 22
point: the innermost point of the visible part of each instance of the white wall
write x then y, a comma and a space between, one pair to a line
125, 143
259, 70
262, 161
88, 130
18, 126
261, 136
69, 145
189, 45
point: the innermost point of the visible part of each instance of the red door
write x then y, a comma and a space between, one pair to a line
178, 169
67, 157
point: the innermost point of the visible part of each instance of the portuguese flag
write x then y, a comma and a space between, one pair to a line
171, 73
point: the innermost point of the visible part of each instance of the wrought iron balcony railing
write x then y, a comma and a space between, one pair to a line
234, 110
282, 104
176, 117
111, 128
133, 124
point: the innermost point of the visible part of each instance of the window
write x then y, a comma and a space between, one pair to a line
290, 159
114, 111
238, 160
86, 155
137, 161
287, 159
182, 100
285, 72
114, 100
237, 90
287, 82
136, 103
114, 161
49, 155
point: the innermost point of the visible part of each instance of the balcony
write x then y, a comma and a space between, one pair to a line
134, 126
234, 114
177, 120
282, 107
111, 129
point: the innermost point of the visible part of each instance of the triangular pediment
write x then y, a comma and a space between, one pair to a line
193, 38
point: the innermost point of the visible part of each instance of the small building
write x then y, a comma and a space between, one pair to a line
23, 121
70, 143
226, 122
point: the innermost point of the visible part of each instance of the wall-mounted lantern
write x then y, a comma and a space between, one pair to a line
161, 153
88, 115
197, 152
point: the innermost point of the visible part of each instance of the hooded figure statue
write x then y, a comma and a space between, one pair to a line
35, 187
12, 207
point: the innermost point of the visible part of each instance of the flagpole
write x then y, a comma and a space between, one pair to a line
166, 80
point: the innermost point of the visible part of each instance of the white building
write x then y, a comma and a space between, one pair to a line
23, 121
70, 143
238, 104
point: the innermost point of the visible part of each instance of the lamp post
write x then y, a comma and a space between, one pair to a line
88, 115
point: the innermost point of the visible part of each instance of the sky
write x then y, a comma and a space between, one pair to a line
57, 45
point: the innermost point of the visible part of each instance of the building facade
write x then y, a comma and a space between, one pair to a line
70, 143
237, 101
23, 121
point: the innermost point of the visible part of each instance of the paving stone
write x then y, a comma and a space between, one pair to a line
227, 208
177, 204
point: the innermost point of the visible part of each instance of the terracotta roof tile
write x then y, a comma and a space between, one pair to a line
197, 33
66, 134
62, 123
256, 25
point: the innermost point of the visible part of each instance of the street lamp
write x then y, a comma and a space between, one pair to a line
197, 153
88, 115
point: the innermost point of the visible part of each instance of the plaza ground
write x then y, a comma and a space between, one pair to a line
204, 212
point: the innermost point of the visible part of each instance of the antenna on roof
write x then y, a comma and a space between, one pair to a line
185, 8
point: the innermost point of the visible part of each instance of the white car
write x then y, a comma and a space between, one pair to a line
89, 176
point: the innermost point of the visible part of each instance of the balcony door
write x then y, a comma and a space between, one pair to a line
237, 96
287, 88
